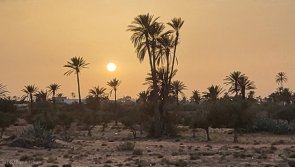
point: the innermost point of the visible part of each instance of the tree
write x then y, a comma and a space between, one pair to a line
145, 30
114, 84
3, 91
232, 79
97, 94
245, 84
177, 88
30, 90
233, 114
76, 64
149, 38
196, 97
41, 96
200, 120
6, 119
52, 89
143, 96
281, 77
213, 93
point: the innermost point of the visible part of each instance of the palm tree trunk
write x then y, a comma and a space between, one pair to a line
174, 57
2, 132
53, 97
177, 100
207, 133
31, 102
116, 113
235, 135
79, 93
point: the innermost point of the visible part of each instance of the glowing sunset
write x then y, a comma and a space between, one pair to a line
111, 67
110, 72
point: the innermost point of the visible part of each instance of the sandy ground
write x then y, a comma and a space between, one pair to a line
259, 149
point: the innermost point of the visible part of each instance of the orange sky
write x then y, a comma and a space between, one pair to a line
37, 37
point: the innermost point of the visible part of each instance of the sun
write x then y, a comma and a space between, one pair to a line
111, 67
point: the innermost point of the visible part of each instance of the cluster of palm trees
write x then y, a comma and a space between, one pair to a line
42, 95
151, 39
238, 84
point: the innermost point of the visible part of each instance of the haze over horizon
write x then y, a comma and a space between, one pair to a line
37, 38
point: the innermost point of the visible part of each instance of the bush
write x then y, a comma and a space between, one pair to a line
6, 119
37, 135
137, 151
126, 146
274, 126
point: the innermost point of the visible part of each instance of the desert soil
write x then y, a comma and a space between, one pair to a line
255, 149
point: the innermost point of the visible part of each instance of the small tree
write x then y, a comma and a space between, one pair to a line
131, 120
6, 119
233, 114
89, 120
65, 119
200, 120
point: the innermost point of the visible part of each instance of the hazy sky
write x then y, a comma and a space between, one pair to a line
37, 37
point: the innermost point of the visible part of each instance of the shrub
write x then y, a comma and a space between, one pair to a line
37, 135
89, 120
137, 151
126, 146
6, 119
65, 119
26, 158
274, 126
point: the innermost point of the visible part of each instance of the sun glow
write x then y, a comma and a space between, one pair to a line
111, 67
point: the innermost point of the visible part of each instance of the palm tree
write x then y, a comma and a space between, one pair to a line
196, 96
41, 96
232, 79
176, 24
281, 77
114, 84
213, 93
245, 84
52, 89
30, 90
178, 87
76, 64
145, 30
98, 93
143, 96
3, 90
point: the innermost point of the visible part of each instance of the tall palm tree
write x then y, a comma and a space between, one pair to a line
3, 90
245, 84
177, 88
281, 77
98, 93
176, 24
52, 89
114, 84
196, 96
232, 79
213, 93
30, 90
145, 30
76, 64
